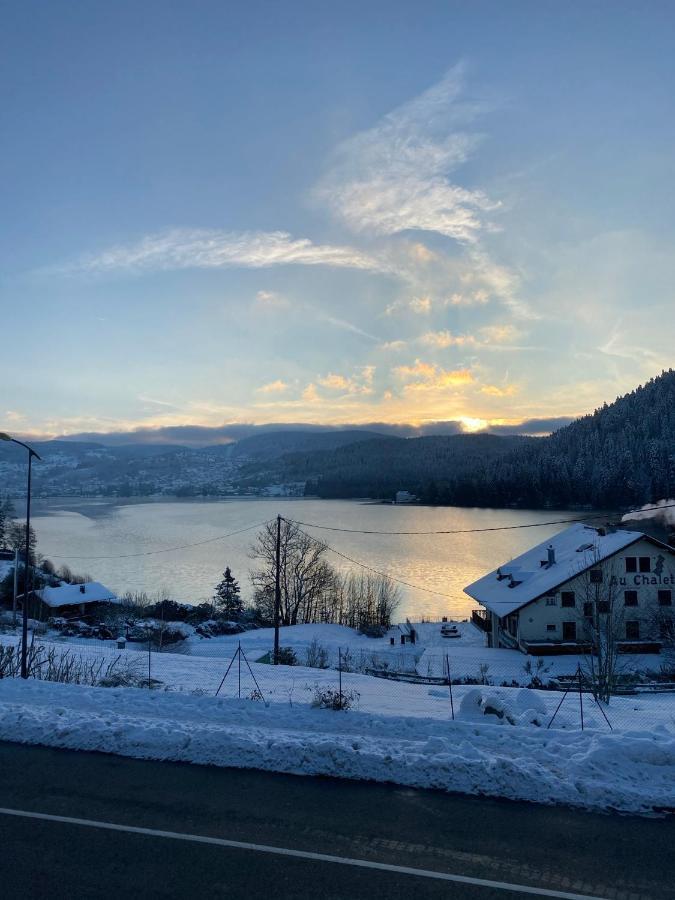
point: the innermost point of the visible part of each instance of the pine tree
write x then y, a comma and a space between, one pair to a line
228, 596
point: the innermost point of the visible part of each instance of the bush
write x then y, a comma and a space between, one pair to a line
216, 627
328, 698
316, 656
287, 656
168, 611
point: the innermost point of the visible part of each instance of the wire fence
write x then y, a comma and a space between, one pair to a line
446, 682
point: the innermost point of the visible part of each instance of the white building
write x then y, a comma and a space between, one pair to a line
541, 602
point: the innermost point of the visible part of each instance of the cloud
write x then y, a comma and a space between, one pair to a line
443, 339
359, 383
310, 394
154, 401
493, 390
499, 334
429, 377
420, 305
347, 326
11, 415
534, 427
394, 176
212, 249
271, 298
393, 345
273, 387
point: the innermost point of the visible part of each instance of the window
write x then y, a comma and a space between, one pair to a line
567, 598
550, 627
603, 606
645, 563
631, 564
632, 631
569, 631
596, 576
630, 598
588, 610
665, 598
551, 601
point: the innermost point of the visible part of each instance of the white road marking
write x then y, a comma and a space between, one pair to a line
298, 854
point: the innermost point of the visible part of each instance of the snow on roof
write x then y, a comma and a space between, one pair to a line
530, 575
73, 594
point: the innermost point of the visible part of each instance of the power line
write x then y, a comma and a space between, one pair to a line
220, 537
465, 530
356, 562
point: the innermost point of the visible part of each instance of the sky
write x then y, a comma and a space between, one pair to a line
332, 213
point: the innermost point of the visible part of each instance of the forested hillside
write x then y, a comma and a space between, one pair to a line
623, 454
379, 468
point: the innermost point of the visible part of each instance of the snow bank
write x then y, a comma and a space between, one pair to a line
630, 771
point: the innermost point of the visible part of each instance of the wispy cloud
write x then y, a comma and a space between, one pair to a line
359, 383
443, 339
273, 387
395, 176
211, 249
347, 326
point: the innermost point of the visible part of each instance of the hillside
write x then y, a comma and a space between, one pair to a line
623, 454
378, 468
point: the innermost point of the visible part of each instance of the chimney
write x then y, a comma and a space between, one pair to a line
82, 589
551, 555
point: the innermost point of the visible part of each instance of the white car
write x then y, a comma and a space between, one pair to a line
449, 630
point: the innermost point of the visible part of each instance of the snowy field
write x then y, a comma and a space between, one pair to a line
465, 655
498, 742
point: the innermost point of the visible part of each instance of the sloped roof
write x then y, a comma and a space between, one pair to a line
72, 594
576, 548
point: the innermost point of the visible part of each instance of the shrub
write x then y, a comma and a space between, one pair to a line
328, 698
287, 656
317, 656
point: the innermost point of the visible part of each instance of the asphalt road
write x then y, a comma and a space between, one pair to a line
548, 849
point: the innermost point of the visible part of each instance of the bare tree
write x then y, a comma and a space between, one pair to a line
603, 626
305, 575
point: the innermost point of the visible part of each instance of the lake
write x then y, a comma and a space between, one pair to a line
79, 532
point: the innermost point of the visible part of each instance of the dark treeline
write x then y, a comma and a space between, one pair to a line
621, 455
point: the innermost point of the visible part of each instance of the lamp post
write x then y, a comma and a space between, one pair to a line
26, 577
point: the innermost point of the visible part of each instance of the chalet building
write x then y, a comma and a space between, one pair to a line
543, 601
71, 601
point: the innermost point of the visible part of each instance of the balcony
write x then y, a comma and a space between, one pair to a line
482, 619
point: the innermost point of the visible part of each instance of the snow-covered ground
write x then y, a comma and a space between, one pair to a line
631, 771
465, 655
497, 744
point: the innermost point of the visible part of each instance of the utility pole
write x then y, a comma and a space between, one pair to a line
27, 578
16, 585
277, 593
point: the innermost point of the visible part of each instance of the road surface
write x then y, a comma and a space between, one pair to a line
95, 826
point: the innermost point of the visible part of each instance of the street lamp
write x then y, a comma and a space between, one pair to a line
26, 578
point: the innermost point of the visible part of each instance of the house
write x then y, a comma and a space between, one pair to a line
71, 601
543, 601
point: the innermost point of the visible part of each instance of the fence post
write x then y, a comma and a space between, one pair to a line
452, 705
340, 673
149, 658
581, 698
239, 670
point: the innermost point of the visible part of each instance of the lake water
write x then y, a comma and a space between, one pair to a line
77, 531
